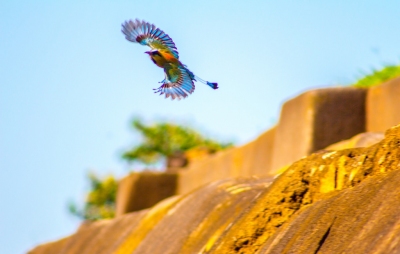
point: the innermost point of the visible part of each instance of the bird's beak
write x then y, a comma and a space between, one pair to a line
147, 52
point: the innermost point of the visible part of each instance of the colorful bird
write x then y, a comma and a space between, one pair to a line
178, 81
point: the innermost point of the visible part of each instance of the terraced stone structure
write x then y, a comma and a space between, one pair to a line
343, 198
342, 201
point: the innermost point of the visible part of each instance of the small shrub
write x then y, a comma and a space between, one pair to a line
378, 77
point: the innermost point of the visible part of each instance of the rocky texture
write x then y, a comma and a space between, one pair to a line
317, 177
383, 106
329, 202
363, 219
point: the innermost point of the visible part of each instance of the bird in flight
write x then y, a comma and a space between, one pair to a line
178, 82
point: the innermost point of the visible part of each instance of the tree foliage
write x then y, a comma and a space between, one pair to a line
163, 139
159, 141
377, 77
100, 201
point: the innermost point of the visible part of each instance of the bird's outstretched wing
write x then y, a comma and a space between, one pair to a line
148, 34
177, 83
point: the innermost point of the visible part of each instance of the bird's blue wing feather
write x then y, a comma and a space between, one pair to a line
177, 84
149, 35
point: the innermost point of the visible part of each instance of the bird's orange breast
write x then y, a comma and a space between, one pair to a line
170, 58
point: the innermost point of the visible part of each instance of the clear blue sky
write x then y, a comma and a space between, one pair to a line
70, 83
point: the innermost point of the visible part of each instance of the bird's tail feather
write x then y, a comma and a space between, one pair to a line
213, 85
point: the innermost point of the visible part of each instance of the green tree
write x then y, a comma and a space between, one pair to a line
377, 77
163, 139
160, 140
100, 201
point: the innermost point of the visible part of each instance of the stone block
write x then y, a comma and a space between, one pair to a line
383, 106
316, 119
142, 190
250, 159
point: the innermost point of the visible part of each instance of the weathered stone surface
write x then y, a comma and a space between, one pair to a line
198, 219
363, 219
95, 237
316, 119
130, 241
317, 177
383, 106
180, 224
142, 190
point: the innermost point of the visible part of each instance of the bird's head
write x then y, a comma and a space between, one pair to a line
153, 53
156, 57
